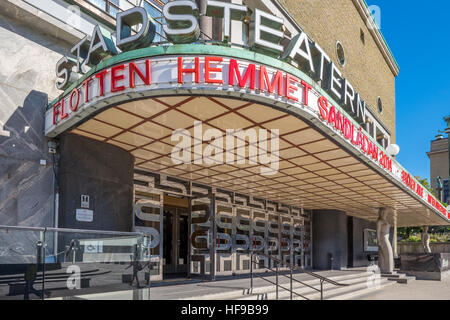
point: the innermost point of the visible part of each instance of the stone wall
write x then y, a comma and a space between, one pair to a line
329, 21
359, 255
27, 75
329, 239
102, 171
417, 247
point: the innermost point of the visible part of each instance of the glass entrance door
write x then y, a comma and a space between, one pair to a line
175, 253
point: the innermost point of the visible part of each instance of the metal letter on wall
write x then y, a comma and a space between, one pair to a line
181, 21
200, 229
225, 228
242, 239
148, 220
259, 237
128, 40
286, 239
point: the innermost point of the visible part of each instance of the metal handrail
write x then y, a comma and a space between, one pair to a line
22, 228
290, 277
293, 279
40, 248
101, 232
315, 275
85, 231
279, 285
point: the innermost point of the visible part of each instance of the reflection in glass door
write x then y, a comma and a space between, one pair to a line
175, 252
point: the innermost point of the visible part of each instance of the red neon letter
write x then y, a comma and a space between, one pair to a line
64, 114
289, 87
234, 70
332, 115
133, 69
277, 81
101, 78
208, 69
117, 77
347, 128
71, 105
323, 107
339, 122
306, 88
86, 89
55, 111
196, 70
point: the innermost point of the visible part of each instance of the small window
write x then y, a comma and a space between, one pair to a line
363, 37
380, 105
340, 53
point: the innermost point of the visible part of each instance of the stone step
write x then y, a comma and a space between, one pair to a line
356, 287
269, 289
304, 291
399, 277
391, 275
403, 280
361, 291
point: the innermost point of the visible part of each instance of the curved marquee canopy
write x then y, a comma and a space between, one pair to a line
136, 100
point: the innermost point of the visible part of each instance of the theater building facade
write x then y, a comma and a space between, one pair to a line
216, 128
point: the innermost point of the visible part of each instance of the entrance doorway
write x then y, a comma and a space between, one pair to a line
176, 240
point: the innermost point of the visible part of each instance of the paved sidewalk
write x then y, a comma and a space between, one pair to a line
416, 290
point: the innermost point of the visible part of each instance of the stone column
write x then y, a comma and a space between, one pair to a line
206, 23
426, 240
385, 254
394, 238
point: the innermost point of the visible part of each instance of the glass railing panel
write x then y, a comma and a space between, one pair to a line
21, 264
96, 265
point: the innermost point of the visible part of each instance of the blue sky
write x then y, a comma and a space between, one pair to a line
418, 34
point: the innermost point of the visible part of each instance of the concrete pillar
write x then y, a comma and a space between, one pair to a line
426, 240
385, 254
394, 238
206, 23
236, 28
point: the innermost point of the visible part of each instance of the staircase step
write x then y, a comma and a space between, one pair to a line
335, 293
358, 284
362, 291
311, 293
265, 290
403, 280
398, 277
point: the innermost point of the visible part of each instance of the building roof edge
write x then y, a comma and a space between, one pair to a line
374, 29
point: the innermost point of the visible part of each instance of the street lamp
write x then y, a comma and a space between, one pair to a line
393, 150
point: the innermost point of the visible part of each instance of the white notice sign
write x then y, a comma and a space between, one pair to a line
84, 215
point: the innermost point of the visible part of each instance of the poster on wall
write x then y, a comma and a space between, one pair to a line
370, 240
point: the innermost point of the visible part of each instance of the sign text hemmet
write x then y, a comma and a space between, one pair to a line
182, 26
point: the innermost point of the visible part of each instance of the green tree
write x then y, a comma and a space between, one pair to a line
405, 232
425, 183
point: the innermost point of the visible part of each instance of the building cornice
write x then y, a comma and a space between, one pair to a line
374, 29
436, 152
94, 12
366, 15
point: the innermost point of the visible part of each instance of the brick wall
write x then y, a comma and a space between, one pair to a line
329, 21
